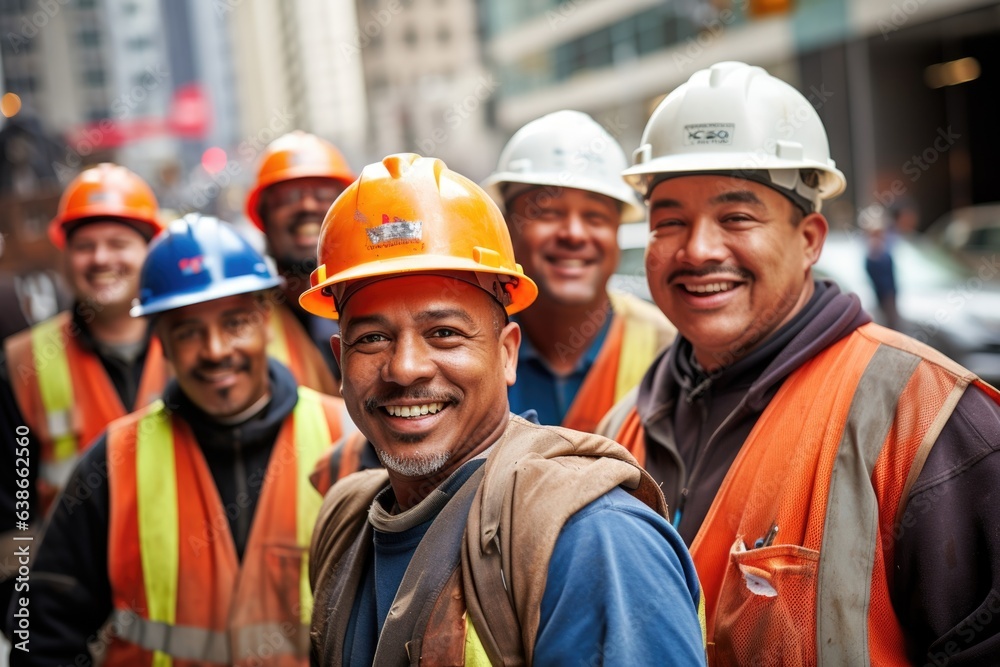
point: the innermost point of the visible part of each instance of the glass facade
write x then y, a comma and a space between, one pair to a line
643, 33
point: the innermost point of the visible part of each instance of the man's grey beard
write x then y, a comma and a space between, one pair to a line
417, 465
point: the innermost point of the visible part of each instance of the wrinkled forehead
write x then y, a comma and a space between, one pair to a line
416, 296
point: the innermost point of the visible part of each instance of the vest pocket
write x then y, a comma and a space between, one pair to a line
766, 608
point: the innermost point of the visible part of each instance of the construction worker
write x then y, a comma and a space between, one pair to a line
298, 178
584, 348
185, 527
69, 376
835, 479
559, 181
416, 262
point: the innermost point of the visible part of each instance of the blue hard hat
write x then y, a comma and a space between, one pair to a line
199, 258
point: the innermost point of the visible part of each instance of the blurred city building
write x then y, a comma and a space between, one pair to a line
893, 80
292, 73
428, 88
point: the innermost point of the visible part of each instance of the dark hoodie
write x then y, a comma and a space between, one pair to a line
70, 591
947, 552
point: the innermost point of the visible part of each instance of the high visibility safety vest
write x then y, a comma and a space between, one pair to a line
291, 345
66, 396
180, 594
473, 590
338, 461
638, 332
823, 478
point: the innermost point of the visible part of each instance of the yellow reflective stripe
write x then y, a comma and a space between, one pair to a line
475, 652
278, 347
638, 348
55, 384
701, 618
312, 436
156, 506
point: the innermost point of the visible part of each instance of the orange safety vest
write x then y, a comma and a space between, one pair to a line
66, 396
338, 461
638, 333
180, 594
829, 463
291, 345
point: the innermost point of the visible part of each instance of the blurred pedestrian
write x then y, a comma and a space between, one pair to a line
879, 265
298, 178
487, 539
835, 479
185, 527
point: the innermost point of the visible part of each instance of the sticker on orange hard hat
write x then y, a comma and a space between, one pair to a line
395, 231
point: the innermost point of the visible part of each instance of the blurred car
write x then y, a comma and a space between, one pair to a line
940, 301
630, 276
972, 233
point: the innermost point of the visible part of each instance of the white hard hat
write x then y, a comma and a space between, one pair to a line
734, 118
564, 149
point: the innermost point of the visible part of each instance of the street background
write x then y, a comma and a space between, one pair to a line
187, 93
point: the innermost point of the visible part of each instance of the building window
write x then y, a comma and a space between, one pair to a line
94, 77
139, 43
410, 37
89, 38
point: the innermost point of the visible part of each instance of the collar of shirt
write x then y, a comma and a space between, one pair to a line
528, 352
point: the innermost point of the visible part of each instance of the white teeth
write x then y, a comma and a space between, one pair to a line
413, 410
711, 288
570, 263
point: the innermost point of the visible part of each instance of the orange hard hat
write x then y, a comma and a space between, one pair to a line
297, 154
106, 191
411, 214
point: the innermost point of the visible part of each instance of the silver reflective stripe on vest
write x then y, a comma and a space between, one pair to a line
58, 472
852, 516
256, 642
179, 641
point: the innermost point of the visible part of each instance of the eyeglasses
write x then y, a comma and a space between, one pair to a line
293, 194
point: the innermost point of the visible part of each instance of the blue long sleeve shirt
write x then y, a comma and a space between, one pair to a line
621, 589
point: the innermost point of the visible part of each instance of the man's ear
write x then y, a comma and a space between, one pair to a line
335, 346
156, 327
510, 343
814, 228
